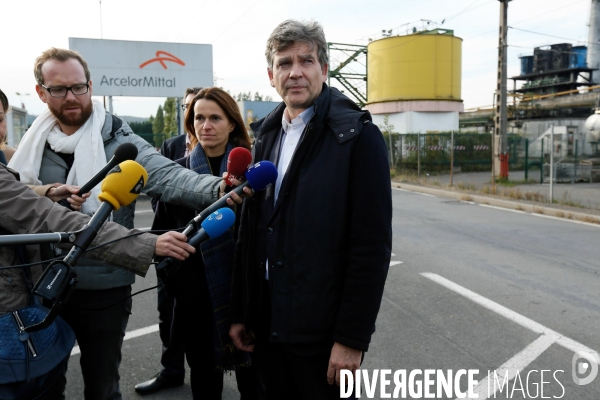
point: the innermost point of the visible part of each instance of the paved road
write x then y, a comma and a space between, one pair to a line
470, 287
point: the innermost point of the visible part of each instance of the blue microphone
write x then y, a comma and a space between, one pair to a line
216, 224
258, 177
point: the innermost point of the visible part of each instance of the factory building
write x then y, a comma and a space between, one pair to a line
16, 121
558, 86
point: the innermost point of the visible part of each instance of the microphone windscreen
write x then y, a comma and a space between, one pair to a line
261, 175
218, 222
126, 151
238, 161
123, 184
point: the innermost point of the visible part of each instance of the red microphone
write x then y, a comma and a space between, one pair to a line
238, 162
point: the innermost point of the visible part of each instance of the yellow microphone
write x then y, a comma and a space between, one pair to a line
123, 184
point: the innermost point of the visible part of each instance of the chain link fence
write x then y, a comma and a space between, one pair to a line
432, 152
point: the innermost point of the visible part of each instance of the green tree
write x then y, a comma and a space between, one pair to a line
158, 127
388, 133
144, 127
159, 122
170, 117
249, 97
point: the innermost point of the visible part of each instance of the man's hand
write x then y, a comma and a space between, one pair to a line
241, 338
342, 357
235, 199
59, 192
173, 244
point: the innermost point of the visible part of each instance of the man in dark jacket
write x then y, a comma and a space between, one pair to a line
314, 249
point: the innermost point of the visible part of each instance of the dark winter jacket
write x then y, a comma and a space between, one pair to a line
328, 237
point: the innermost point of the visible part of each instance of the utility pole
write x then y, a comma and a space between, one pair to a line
500, 156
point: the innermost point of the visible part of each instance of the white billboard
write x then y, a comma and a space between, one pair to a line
155, 69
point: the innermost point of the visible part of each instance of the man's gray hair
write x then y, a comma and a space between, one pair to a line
291, 31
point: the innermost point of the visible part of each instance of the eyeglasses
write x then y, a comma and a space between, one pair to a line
61, 91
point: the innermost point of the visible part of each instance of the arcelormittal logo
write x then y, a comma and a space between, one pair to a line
161, 57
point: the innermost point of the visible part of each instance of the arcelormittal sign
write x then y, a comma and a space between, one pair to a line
153, 69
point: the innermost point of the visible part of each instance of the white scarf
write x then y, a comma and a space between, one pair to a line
86, 143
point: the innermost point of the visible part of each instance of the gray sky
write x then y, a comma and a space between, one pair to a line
238, 31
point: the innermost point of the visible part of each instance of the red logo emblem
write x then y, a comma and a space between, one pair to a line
161, 60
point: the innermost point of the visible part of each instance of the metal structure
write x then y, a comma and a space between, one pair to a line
553, 69
593, 54
341, 73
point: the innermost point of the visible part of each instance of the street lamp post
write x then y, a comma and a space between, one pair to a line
21, 98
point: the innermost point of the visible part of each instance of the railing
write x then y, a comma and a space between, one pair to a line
433, 151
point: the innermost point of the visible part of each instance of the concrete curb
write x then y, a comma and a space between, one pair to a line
493, 201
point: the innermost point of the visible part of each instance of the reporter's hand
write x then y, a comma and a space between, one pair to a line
60, 192
241, 339
173, 244
234, 198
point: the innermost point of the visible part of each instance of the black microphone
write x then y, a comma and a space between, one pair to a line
125, 151
258, 177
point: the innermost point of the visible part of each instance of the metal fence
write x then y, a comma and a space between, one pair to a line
434, 151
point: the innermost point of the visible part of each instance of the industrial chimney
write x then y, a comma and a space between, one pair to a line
593, 52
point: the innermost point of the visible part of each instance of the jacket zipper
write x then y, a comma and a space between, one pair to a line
30, 345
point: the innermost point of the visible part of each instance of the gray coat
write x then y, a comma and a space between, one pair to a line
167, 182
23, 211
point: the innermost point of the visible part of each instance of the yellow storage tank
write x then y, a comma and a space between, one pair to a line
422, 66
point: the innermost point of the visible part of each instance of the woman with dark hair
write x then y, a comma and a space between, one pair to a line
203, 283
4, 148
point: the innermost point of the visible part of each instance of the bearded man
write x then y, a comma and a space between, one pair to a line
69, 143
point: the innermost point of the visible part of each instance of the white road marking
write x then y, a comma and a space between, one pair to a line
503, 209
517, 318
410, 191
392, 263
510, 368
542, 215
144, 211
511, 315
128, 335
512, 210
566, 219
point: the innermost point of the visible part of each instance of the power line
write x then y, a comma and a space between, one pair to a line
188, 27
570, 5
460, 12
545, 34
234, 22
